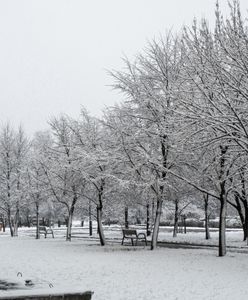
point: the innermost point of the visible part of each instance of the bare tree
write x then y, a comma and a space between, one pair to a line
13, 151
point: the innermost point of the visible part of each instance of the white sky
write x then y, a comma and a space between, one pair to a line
54, 53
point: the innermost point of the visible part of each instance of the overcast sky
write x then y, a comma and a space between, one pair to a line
54, 53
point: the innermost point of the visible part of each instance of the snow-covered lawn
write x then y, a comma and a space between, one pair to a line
193, 236
122, 272
233, 238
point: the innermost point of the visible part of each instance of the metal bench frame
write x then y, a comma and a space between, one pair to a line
45, 231
133, 235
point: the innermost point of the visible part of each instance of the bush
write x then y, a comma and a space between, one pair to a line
110, 222
166, 223
194, 223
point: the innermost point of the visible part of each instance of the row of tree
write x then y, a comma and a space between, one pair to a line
181, 131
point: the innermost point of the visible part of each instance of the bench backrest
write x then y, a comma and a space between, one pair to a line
42, 228
129, 232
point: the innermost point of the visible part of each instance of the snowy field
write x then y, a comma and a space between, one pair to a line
122, 272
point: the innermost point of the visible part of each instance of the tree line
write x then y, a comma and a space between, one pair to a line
181, 130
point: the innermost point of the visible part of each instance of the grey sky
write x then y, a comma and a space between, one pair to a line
54, 53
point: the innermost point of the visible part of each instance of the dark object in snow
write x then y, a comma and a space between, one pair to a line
132, 234
28, 282
19, 274
77, 296
5, 285
46, 231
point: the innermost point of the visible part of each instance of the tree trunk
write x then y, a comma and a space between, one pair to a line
222, 228
246, 223
153, 212
184, 224
71, 212
10, 223
156, 223
239, 209
243, 217
126, 217
3, 221
16, 221
243, 198
223, 205
176, 217
244, 231
69, 225
37, 222
99, 225
207, 233
99, 214
148, 231
4, 224
28, 221
90, 219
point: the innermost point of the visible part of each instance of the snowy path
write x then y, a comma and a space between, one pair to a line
117, 272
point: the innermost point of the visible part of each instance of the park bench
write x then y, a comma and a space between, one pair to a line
45, 231
133, 235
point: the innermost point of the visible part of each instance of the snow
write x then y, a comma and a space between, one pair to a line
121, 272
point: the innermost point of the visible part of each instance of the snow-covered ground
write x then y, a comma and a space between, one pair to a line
194, 235
122, 272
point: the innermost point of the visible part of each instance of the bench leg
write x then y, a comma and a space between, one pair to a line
132, 241
122, 241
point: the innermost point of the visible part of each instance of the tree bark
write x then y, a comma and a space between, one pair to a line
243, 198
164, 152
28, 221
126, 217
4, 224
153, 212
99, 214
243, 217
16, 220
222, 227
10, 223
207, 232
223, 204
246, 223
71, 212
37, 222
90, 220
176, 217
237, 206
148, 231
99, 225
156, 223
68, 229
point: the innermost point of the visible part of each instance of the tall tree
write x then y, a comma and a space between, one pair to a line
13, 153
148, 123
